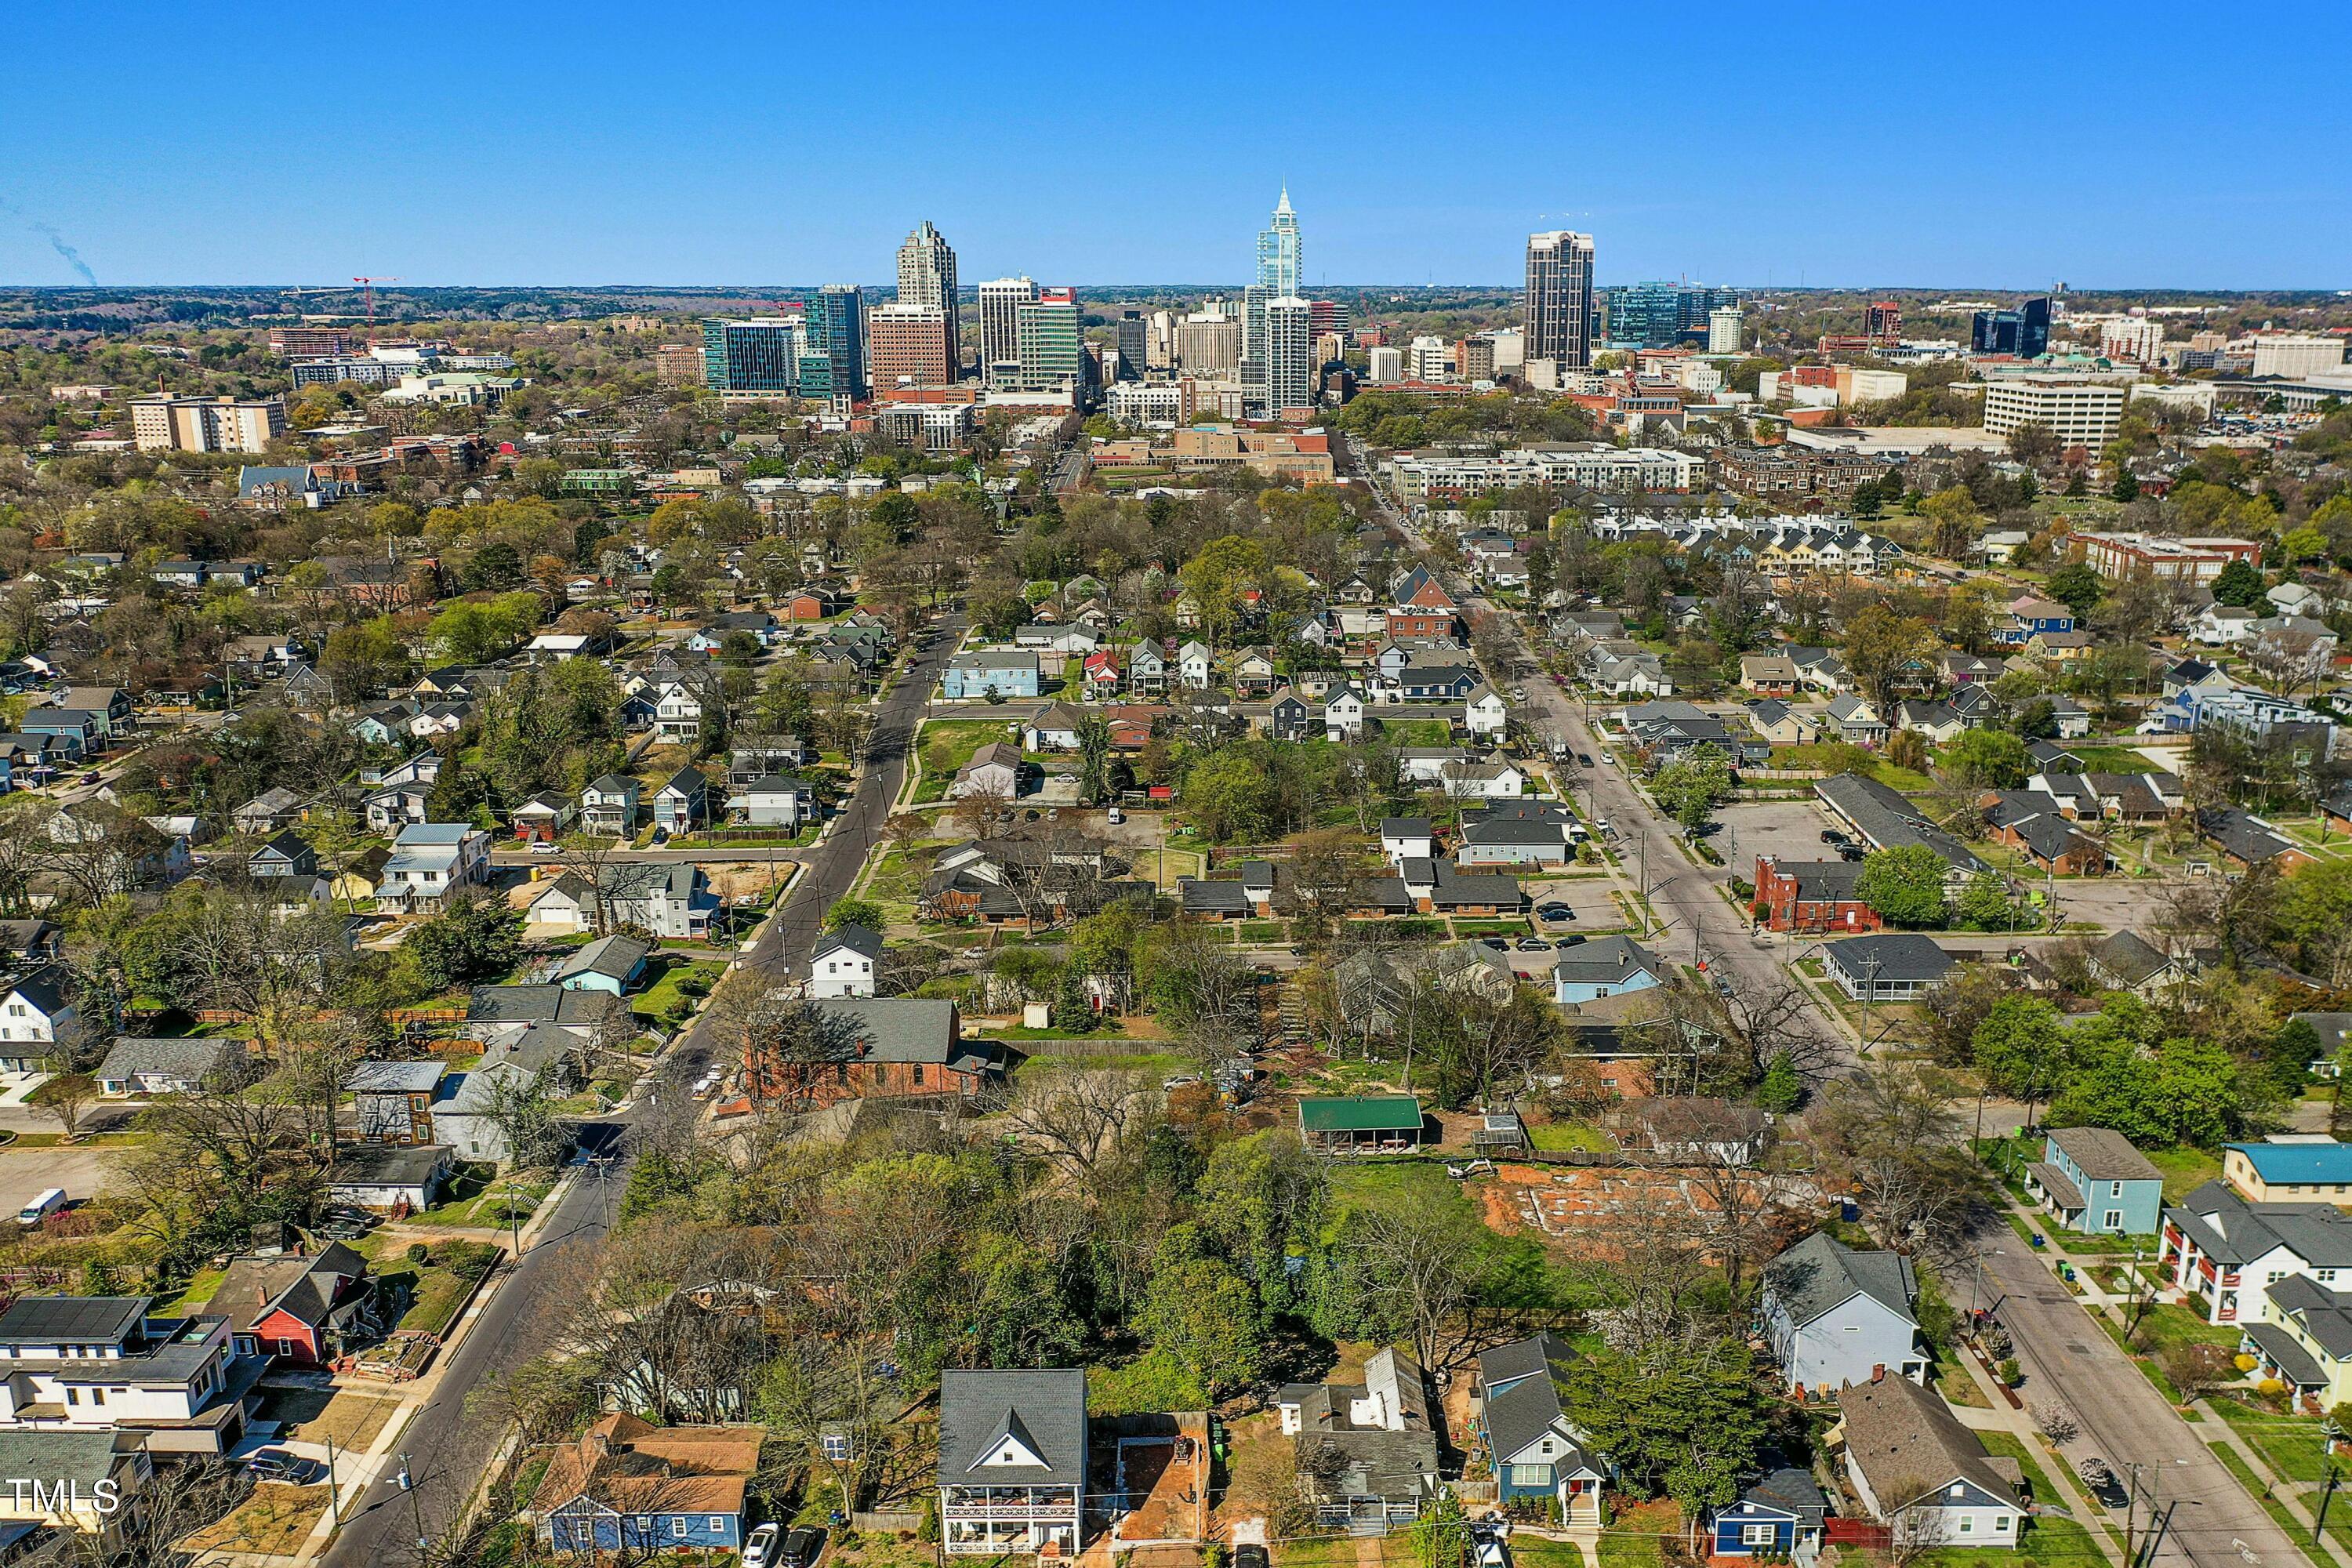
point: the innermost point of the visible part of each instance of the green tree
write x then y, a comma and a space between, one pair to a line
2127, 486
855, 912
471, 940
1690, 790
495, 567
2076, 586
2019, 1046
1881, 646
1203, 1314
2301, 544
1781, 1090
1983, 904
2036, 720
1988, 759
1687, 1419
1905, 885
2240, 584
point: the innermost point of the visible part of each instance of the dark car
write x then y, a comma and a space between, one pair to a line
1496, 943
1532, 944
1584, 759
1555, 912
277, 1464
2099, 1479
1249, 1557
802, 1546
1831, 835
1852, 852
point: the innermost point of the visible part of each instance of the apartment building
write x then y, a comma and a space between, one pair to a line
162, 423
2296, 354
2086, 413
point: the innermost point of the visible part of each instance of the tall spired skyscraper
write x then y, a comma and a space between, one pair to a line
1277, 251
927, 278
1278, 256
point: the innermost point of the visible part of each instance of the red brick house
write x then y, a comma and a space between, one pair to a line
1420, 623
1810, 896
880, 1046
299, 1310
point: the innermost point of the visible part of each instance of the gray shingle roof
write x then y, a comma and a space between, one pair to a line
186, 1058
858, 939
2235, 1232
1899, 956
1821, 1274
395, 1077
1901, 1435
1044, 1410
616, 957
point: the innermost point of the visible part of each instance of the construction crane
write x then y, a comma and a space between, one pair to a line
369, 284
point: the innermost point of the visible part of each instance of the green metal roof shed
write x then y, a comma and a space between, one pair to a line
1360, 1113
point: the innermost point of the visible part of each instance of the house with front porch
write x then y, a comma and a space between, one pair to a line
2096, 1183
1780, 1515
1536, 1456
625, 1487
1012, 1461
2221, 1250
1366, 1450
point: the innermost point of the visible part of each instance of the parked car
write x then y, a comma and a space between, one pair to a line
46, 1202
1831, 835
2099, 1478
803, 1547
1555, 912
1496, 943
545, 847
1852, 852
1532, 944
1584, 759
1115, 817
277, 1464
760, 1547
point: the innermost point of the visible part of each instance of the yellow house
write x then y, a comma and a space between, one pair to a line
2305, 1340
84, 1482
2318, 1170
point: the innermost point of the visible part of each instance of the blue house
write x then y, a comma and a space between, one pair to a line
1536, 1456
1778, 1516
1609, 967
2029, 618
2096, 1183
610, 964
1001, 672
628, 1485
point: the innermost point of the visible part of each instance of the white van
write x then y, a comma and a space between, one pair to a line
43, 1205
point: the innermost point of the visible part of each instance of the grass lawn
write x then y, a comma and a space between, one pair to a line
1265, 932
199, 1292
664, 999
274, 1522
2111, 759
1535, 1552
434, 1289
945, 745
2168, 1325
467, 1182
1637, 1538
1490, 928
1417, 731
1570, 1136
2185, 1170
350, 1420
2047, 1538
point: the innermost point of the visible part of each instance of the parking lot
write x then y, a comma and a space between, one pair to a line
1789, 829
24, 1171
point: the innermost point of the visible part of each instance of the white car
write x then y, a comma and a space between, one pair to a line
760, 1548
545, 847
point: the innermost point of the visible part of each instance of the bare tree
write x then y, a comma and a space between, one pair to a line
1078, 1118
1420, 1265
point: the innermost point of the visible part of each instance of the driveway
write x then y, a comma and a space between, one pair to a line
1588, 896
2067, 1356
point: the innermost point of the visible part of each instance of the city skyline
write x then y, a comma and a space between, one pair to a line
572, 163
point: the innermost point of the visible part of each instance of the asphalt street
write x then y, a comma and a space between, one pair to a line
448, 1451
2125, 1420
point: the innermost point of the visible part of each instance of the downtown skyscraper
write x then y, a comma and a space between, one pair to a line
999, 325
1280, 253
927, 280
1559, 304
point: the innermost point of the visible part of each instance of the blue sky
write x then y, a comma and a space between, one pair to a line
1988, 145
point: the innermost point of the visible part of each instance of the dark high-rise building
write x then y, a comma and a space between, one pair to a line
1133, 334
2024, 331
1560, 320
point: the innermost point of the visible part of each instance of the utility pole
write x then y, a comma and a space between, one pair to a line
2335, 1475
407, 1483
2131, 1505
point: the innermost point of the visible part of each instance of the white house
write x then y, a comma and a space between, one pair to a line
777, 800
1835, 1316
844, 962
677, 712
1194, 663
34, 1012
1343, 715
1406, 839
100, 1362
1486, 715
430, 860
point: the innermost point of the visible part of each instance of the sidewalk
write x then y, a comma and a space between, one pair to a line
2019, 1424
355, 1474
